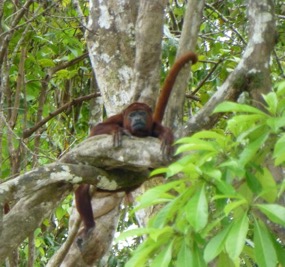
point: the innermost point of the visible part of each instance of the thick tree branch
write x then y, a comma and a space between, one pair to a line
188, 41
252, 72
111, 47
39, 191
149, 32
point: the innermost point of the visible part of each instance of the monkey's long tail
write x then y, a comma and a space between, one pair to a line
169, 82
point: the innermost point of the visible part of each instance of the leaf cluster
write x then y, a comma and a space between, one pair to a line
221, 198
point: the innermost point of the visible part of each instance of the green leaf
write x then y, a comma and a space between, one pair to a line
253, 182
279, 150
164, 257
213, 173
216, 245
161, 235
265, 254
251, 149
60, 212
157, 194
164, 215
45, 62
225, 188
276, 123
158, 171
225, 260
280, 252
142, 255
234, 167
269, 188
219, 138
235, 107
274, 212
280, 89
244, 129
235, 240
197, 210
134, 233
196, 144
198, 260
272, 102
170, 210
185, 256
233, 205
175, 168
209, 135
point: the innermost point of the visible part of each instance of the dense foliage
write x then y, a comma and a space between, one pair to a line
225, 188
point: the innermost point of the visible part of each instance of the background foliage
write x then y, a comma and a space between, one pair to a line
47, 67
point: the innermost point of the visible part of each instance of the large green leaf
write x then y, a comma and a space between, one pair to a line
276, 124
185, 256
157, 195
244, 121
196, 144
216, 245
235, 240
198, 260
269, 187
279, 150
272, 102
235, 107
164, 257
265, 254
171, 209
143, 254
197, 210
134, 232
274, 212
251, 149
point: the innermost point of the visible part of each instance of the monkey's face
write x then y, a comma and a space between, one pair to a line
138, 120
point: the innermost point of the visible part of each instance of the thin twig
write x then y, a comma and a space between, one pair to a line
28, 132
207, 77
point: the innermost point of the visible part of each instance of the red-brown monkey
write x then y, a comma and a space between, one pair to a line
136, 120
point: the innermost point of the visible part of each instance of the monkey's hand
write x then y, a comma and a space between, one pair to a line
118, 133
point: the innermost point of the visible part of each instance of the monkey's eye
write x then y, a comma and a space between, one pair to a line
138, 113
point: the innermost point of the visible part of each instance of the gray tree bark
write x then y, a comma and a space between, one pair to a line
38, 192
251, 74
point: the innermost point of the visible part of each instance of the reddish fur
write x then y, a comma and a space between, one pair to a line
120, 124
6, 208
169, 82
83, 204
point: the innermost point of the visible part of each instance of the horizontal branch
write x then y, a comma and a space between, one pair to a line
252, 72
95, 161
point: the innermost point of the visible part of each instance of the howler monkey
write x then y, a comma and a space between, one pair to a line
136, 120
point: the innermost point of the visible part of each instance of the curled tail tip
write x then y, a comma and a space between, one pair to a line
190, 56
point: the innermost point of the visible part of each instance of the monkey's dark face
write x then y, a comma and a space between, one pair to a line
138, 120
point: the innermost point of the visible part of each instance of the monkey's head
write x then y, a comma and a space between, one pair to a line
138, 119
